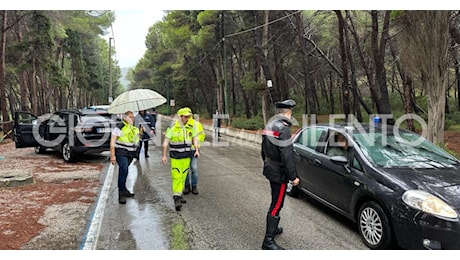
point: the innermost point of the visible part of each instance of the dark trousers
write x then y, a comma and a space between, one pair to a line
146, 148
123, 162
278, 195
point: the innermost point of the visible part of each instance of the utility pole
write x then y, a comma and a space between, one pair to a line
110, 70
224, 61
225, 79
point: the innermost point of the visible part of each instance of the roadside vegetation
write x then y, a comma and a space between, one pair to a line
360, 63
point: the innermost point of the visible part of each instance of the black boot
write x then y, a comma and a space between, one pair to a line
269, 240
187, 189
194, 190
278, 231
177, 202
128, 194
121, 198
182, 200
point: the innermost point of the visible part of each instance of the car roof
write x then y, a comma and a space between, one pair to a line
354, 128
84, 112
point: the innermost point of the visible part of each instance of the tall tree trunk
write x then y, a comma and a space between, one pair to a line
426, 55
331, 93
354, 83
23, 76
309, 88
5, 116
365, 66
33, 90
263, 74
407, 92
343, 55
378, 48
232, 70
457, 76
244, 94
264, 69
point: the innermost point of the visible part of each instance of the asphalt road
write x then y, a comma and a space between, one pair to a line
227, 214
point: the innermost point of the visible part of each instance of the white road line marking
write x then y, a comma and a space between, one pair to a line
92, 234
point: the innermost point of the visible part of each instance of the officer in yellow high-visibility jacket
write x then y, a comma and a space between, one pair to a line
179, 137
192, 177
123, 145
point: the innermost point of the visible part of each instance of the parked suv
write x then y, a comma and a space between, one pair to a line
72, 132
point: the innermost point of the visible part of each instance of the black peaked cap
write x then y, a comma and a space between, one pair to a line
285, 104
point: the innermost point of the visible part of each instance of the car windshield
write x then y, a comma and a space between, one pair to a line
403, 149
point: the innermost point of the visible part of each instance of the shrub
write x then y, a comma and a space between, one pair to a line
254, 123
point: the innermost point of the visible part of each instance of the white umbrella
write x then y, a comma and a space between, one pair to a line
136, 100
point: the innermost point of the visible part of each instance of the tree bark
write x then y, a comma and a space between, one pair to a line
378, 48
343, 55
309, 90
5, 116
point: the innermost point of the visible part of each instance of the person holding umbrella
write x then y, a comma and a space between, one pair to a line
123, 146
146, 122
179, 137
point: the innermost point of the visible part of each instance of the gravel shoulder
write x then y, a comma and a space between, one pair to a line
51, 212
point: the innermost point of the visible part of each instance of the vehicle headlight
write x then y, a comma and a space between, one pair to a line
428, 203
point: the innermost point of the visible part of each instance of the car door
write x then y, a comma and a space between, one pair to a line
24, 123
305, 155
57, 129
336, 179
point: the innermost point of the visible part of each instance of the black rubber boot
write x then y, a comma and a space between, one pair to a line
177, 202
269, 240
182, 200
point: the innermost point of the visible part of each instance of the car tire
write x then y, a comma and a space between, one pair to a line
374, 227
67, 152
292, 190
40, 149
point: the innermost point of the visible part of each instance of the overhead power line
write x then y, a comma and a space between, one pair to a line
239, 33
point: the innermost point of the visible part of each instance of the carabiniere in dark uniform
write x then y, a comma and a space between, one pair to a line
279, 167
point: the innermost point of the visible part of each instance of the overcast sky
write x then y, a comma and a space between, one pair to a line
129, 31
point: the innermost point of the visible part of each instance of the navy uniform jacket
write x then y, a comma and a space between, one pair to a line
277, 151
148, 122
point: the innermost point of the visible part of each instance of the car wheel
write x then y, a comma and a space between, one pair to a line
292, 190
374, 226
67, 152
40, 149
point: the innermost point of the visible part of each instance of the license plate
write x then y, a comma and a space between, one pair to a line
103, 130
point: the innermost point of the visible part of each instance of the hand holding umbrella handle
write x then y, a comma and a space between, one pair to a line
141, 129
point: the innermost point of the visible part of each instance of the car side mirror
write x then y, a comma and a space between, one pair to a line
339, 159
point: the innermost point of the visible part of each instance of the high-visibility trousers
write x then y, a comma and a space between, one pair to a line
179, 171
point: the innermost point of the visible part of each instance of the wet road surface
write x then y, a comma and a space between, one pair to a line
227, 214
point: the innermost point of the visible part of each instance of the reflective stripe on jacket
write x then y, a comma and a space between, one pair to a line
180, 140
129, 138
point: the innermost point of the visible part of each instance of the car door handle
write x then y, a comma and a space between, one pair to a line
317, 162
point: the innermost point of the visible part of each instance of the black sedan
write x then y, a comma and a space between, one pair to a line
399, 188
